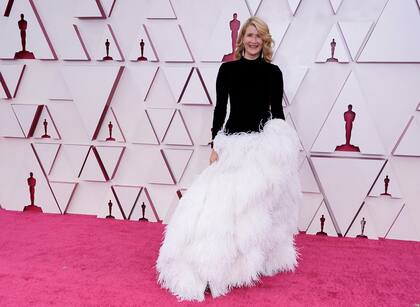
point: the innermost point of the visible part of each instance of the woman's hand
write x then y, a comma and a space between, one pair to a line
213, 156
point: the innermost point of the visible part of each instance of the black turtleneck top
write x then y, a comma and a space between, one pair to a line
255, 91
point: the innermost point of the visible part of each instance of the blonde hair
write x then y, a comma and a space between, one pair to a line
263, 31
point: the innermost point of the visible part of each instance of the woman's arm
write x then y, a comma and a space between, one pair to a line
219, 114
277, 94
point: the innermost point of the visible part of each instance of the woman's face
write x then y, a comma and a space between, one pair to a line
253, 43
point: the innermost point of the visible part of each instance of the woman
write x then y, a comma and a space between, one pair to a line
237, 220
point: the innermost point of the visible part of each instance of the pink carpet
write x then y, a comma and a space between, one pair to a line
76, 260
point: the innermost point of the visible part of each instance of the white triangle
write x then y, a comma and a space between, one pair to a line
404, 227
47, 153
177, 133
278, 31
160, 119
333, 131
149, 212
161, 9
307, 179
91, 169
178, 160
310, 205
36, 39
62, 30
209, 75
315, 225
59, 90
148, 49
173, 205
63, 191
51, 128
127, 196
114, 49
160, 93
355, 34
144, 133
92, 88
143, 76
294, 4
393, 189
69, 162
384, 211
169, 41
12, 75
26, 115
335, 4
103, 209
294, 77
409, 144
107, 5
393, 38
195, 92
291, 122
10, 126
177, 79
162, 197
340, 51
253, 6
369, 229
116, 132
197, 119
17, 161
160, 173
110, 157
346, 183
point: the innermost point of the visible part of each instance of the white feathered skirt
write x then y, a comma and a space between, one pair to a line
237, 220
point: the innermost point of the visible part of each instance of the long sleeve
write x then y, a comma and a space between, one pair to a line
276, 101
222, 89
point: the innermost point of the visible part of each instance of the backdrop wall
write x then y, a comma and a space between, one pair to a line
161, 109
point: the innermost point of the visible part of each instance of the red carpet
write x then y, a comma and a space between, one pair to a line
81, 260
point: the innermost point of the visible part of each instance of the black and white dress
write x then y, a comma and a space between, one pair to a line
238, 219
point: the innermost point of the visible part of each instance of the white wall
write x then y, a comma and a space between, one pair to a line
161, 122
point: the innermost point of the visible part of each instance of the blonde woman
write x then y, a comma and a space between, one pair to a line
238, 219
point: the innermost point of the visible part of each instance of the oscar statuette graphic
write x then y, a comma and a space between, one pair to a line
141, 57
322, 233
332, 58
362, 226
234, 25
32, 183
45, 135
23, 54
110, 138
386, 182
107, 57
349, 117
143, 211
110, 216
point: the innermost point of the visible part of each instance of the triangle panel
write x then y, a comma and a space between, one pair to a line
315, 225
389, 41
63, 192
178, 160
177, 133
334, 48
37, 40
346, 183
356, 119
47, 154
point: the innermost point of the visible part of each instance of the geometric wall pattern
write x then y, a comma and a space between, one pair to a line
134, 131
